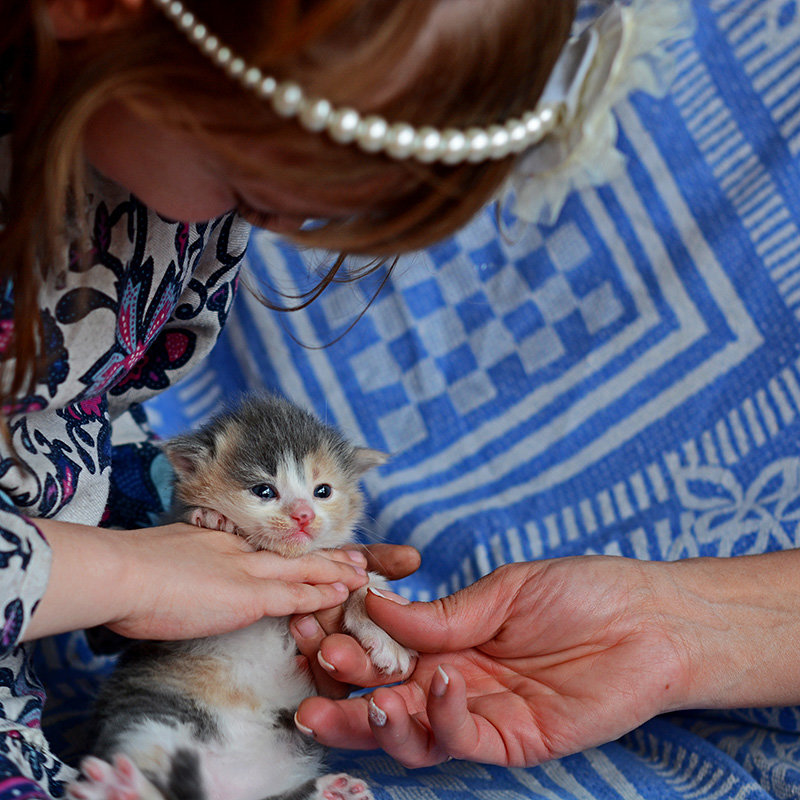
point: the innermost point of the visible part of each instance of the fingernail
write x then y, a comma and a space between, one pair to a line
377, 716
391, 597
308, 627
302, 728
356, 557
325, 664
440, 682
340, 587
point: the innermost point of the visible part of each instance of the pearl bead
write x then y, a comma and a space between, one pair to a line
223, 56
199, 32
267, 87
500, 142
287, 99
517, 134
252, 77
428, 145
186, 20
532, 123
211, 44
315, 115
479, 145
400, 140
456, 146
547, 117
372, 134
343, 125
236, 67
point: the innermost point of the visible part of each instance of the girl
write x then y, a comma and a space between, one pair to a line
140, 140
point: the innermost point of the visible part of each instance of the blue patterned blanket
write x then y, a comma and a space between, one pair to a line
624, 382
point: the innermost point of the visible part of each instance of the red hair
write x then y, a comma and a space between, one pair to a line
445, 63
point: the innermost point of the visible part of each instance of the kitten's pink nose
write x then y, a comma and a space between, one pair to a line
301, 512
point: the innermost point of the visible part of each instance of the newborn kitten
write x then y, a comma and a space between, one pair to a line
212, 718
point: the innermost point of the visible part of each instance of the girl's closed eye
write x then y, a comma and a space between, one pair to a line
270, 220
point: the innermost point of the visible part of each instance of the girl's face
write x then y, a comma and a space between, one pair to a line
172, 173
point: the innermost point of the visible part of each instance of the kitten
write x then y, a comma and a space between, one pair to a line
212, 719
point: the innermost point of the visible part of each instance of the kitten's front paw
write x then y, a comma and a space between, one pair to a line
342, 787
104, 781
385, 653
213, 520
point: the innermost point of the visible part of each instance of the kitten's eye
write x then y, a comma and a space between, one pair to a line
266, 491
323, 490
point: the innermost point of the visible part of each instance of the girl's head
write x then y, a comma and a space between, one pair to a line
117, 77
115, 83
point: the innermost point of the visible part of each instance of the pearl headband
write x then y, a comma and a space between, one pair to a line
373, 134
566, 144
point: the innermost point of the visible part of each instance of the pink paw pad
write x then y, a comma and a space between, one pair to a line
342, 787
213, 520
102, 781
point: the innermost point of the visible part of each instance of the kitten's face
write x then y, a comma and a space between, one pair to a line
304, 505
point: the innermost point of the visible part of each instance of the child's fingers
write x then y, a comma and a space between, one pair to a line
308, 569
354, 555
283, 598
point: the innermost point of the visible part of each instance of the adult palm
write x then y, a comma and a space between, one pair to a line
535, 661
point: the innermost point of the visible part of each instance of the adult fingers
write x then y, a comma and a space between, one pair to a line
453, 727
399, 733
393, 561
450, 729
341, 723
331, 619
308, 635
345, 659
465, 619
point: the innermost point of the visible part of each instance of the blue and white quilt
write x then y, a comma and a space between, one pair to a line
623, 382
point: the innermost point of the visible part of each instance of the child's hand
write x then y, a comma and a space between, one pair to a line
178, 581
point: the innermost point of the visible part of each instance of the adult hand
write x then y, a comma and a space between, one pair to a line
540, 660
310, 630
179, 581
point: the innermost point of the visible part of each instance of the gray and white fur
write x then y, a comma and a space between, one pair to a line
212, 718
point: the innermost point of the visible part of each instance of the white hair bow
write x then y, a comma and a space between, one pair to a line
624, 49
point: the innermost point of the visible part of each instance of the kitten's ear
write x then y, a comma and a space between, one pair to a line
187, 454
365, 458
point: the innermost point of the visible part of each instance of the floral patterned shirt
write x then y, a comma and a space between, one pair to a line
119, 326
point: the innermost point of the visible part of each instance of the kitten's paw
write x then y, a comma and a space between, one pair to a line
104, 781
386, 654
213, 520
342, 786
